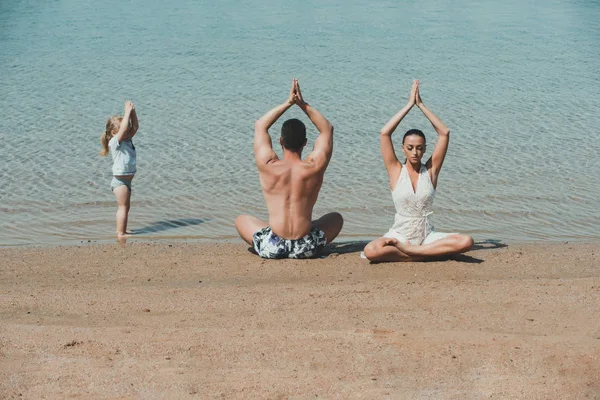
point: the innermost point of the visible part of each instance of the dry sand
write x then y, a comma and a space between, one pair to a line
181, 320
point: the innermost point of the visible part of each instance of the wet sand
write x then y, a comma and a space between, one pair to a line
160, 320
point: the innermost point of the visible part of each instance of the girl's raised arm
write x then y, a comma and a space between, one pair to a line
134, 123
392, 165
123, 133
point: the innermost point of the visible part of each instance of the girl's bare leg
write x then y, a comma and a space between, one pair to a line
123, 195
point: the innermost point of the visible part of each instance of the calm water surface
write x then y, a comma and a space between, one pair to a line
517, 82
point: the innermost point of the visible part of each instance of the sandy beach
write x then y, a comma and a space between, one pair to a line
176, 320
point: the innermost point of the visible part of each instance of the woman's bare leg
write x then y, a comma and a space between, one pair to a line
247, 226
454, 244
387, 250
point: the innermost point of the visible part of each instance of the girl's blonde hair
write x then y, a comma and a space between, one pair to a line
112, 127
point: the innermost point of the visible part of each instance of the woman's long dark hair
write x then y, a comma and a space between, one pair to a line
411, 132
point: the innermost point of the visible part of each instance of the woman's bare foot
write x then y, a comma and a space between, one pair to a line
387, 250
407, 250
404, 247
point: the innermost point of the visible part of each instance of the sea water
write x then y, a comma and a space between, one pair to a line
518, 84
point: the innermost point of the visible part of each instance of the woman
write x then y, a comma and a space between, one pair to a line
412, 238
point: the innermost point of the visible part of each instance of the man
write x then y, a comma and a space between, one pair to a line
291, 186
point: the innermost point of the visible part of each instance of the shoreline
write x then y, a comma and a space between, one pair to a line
202, 241
214, 320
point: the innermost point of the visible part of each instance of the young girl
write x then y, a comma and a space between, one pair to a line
413, 185
117, 140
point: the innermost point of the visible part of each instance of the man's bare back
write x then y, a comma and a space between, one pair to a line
291, 186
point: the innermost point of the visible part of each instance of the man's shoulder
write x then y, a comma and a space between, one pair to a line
271, 165
313, 165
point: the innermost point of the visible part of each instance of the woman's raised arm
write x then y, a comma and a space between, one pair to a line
434, 164
392, 165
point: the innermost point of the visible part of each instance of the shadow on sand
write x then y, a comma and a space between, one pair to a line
354, 246
357, 246
164, 225
488, 244
335, 248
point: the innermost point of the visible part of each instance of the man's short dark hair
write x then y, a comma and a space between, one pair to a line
293, 134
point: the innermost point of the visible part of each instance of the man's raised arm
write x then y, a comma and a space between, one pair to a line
263, 148
323, 147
